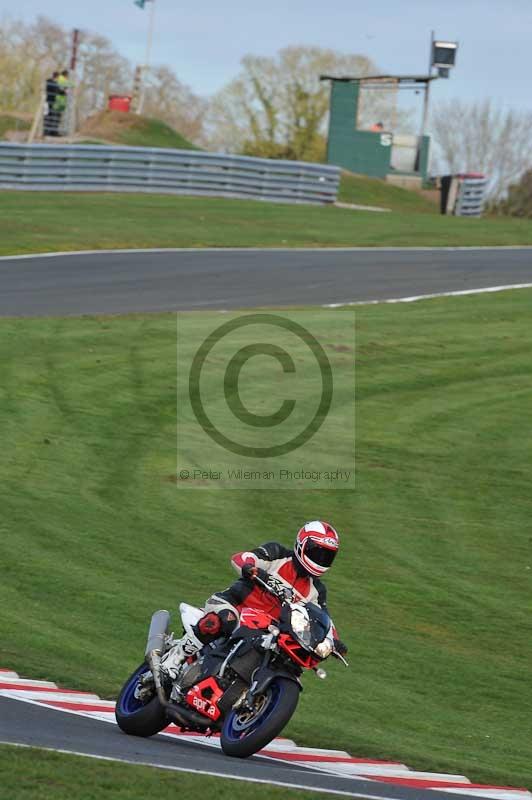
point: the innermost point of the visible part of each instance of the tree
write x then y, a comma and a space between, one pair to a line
518, 202
479, 137
27, 54
278, 107
101, 71
172, 101
30, 52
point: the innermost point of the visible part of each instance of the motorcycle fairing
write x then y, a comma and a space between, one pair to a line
255, 618
265, 675
204, 697
301, 656
190, 615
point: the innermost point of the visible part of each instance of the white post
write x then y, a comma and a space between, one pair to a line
148, 55
427, 90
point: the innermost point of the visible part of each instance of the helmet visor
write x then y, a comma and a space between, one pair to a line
323, 556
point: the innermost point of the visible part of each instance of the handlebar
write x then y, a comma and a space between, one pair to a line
288, 594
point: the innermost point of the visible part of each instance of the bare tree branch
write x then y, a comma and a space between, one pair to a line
479, 137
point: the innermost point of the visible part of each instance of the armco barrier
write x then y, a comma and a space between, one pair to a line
471, 196
101, 168
463, 195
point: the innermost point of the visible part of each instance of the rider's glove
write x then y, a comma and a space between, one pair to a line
340, 647
250, 571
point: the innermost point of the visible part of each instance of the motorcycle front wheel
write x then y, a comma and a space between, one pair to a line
247, 732
135, 717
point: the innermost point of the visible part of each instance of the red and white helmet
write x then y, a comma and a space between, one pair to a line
316, 546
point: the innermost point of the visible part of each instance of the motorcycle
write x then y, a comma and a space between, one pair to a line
246, 687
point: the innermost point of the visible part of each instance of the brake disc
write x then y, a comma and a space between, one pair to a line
249, 715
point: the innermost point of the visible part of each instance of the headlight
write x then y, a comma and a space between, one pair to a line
299, 621
324, 649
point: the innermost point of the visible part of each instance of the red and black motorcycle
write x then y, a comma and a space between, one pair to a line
246, 687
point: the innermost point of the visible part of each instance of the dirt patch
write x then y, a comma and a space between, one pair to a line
108, 124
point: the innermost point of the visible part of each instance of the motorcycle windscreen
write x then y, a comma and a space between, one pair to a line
319, 623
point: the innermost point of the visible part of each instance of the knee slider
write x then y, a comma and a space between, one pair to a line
210, 626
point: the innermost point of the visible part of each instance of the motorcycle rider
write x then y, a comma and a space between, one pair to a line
282, 569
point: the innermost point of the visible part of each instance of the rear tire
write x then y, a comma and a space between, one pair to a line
241, 742
135, 718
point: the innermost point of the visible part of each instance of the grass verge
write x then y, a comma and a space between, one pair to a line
39, 222
362, 190
33, 774
432, 591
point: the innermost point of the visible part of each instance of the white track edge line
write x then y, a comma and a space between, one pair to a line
475, 792
414, 298
213, 774
125, 251
44, 704
44, 695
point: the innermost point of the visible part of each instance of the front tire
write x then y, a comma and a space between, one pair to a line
134, 717
241, 737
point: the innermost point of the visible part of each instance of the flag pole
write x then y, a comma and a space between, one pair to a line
146, 64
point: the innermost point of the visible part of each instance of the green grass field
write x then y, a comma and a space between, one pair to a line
32, 774
39, 222
432, 591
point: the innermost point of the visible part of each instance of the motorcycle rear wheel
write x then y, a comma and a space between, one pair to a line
242, 735
134, 717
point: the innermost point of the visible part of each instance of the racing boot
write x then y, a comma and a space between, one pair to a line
187, 646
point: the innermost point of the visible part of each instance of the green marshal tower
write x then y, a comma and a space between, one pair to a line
374, 151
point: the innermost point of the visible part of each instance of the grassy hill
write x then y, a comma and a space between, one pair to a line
432, 590
131, 129
363, 190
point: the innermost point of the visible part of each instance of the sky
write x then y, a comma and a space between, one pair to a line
204, 41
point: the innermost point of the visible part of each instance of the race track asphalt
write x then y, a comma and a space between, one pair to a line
25, 723
123, 282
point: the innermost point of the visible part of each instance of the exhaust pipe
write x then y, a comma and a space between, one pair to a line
188, 718
157, 633
154, 650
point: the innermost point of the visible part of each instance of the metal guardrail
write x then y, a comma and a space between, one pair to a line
471, 196
463, 195
102, 168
